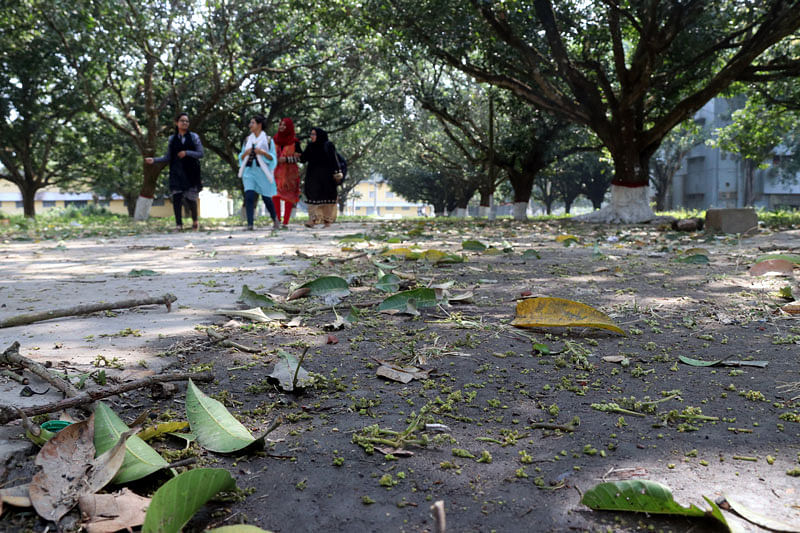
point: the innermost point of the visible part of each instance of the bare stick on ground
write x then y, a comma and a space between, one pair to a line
87, 309
8, 413
11, 356
222, 340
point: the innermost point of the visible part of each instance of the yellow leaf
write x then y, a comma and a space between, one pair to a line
402, 252
696, 251
434, 256
564, 238
162, 429
557, 312
492, 251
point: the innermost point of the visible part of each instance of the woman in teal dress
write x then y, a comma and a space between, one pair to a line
257, 165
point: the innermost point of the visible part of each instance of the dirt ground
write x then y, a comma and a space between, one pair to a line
512, 456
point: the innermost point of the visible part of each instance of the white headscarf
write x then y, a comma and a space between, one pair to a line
262, 142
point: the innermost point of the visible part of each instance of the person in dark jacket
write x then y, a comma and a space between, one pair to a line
320, 186
184, 151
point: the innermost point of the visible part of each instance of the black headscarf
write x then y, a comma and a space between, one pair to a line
316, 151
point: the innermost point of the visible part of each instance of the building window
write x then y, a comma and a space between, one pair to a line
370, 210
75, 203
390, 208
372, 194
389, 194
49, 203
19, 203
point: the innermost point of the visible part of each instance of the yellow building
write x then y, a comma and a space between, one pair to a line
374, 198
211, 204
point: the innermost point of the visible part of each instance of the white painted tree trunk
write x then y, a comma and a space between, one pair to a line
629, 205
460, 212
485, 211
143, 206
520, 211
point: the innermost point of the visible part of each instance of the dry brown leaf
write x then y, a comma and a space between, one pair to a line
774, 267
107, 513
68, 468
793, 308
299, 293
403, 374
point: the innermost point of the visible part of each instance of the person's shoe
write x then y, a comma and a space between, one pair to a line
195, 226
308, 225
284, 226
178, 228
276, 225
250, 227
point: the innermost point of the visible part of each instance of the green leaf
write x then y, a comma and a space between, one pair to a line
388, 283
179, 498
721, 362
140, 459
531, 253
142, 273
239, 528
327, 285
253, 299
217, 430
354, 237
695, 259
474, 246
285, 370
640, 496
786, 293
422, 297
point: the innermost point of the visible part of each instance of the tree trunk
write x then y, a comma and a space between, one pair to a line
630, 203
520, 211
749, 182
567, 205
28, 191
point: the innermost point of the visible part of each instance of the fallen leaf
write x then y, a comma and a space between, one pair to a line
772, 267
557, 312
332, 339
759, 519
302, 292
255, 315
397, 452
402, 374
107, 513
216, 429
285, 369
69, 469
792, 308
158, 430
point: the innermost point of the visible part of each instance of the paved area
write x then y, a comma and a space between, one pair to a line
205, 270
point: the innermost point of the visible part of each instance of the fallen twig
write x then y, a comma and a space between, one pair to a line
86, 309
11, 356
345, 259
16, 377
8, 413
222, 340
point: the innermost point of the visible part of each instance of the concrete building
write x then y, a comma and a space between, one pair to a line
374, 198
710, 177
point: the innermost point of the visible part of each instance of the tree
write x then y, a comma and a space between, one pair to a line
753, 134
628, 71
37, 103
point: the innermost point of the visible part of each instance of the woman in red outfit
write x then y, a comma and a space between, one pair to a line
287, 175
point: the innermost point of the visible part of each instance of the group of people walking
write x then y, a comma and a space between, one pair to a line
268, 167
